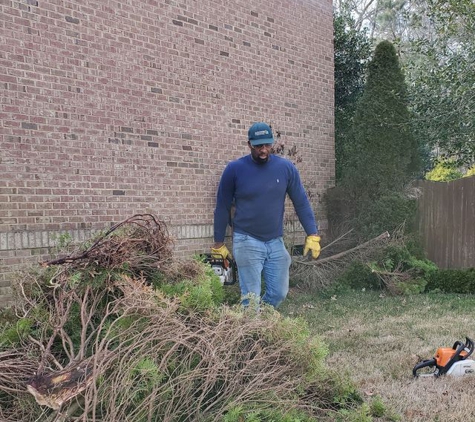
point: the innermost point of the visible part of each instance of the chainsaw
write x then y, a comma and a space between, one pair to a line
224, 268
448, 361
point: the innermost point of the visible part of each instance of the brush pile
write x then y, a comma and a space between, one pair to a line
120, 330
321, 273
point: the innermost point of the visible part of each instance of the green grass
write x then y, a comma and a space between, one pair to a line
377, 339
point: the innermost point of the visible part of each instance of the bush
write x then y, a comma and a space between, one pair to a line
386, 213
401, 272
359, 276
368, 217
202, 292
452, 281
444, 171
396, 269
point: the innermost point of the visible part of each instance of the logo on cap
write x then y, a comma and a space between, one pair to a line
261, 132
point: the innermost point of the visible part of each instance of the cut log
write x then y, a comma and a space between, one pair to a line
55, 388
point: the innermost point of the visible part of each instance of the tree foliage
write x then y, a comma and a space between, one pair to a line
383, 153
444, 171
442, 77
435, 42
352, 53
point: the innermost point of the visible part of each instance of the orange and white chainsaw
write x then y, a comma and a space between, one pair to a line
448, 361
224, 268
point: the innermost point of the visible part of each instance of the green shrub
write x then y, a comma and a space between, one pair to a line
200, 293
410, 287
452, 281
346, 395
14, 333
444, 171
386, 213
378, 409
401, 271
470, 172
358, 276
241, 414
395, 268
401, 258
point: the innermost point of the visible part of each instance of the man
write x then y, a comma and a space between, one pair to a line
258, 184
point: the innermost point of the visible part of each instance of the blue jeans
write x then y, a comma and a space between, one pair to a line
254, 259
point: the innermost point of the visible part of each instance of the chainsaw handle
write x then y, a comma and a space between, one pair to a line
459, 347
423, 364
469, 346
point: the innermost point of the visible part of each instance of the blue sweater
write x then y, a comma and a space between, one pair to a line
258, 192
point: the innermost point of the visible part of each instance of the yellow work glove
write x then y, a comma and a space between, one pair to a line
312, 243
221, 252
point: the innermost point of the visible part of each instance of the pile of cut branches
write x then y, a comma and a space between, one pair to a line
140, 243
319, 274
95, 339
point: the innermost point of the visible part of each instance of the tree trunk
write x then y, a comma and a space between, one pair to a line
55, 388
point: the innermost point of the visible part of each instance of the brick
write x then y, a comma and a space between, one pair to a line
27, 125
70, 19
103, 121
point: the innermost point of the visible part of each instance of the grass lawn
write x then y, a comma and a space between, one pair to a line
377, 339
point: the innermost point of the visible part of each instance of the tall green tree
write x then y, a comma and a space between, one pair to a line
352, 52
436, 43
383, 153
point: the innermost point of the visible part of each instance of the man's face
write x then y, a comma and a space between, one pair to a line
260, 153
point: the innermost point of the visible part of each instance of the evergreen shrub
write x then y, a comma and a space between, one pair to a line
385, 214
452, 281
358, 276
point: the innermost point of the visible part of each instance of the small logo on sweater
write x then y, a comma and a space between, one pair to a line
277, 180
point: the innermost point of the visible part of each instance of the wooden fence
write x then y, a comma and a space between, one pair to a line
446, 218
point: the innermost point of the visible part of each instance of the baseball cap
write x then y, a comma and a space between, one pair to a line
260, 133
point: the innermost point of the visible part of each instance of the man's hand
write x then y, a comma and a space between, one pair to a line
312, 243
220, 251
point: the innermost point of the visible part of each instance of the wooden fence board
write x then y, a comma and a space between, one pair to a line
446, 220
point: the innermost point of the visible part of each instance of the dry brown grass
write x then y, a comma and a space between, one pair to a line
377, 340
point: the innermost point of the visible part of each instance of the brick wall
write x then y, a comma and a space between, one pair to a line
111, 108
